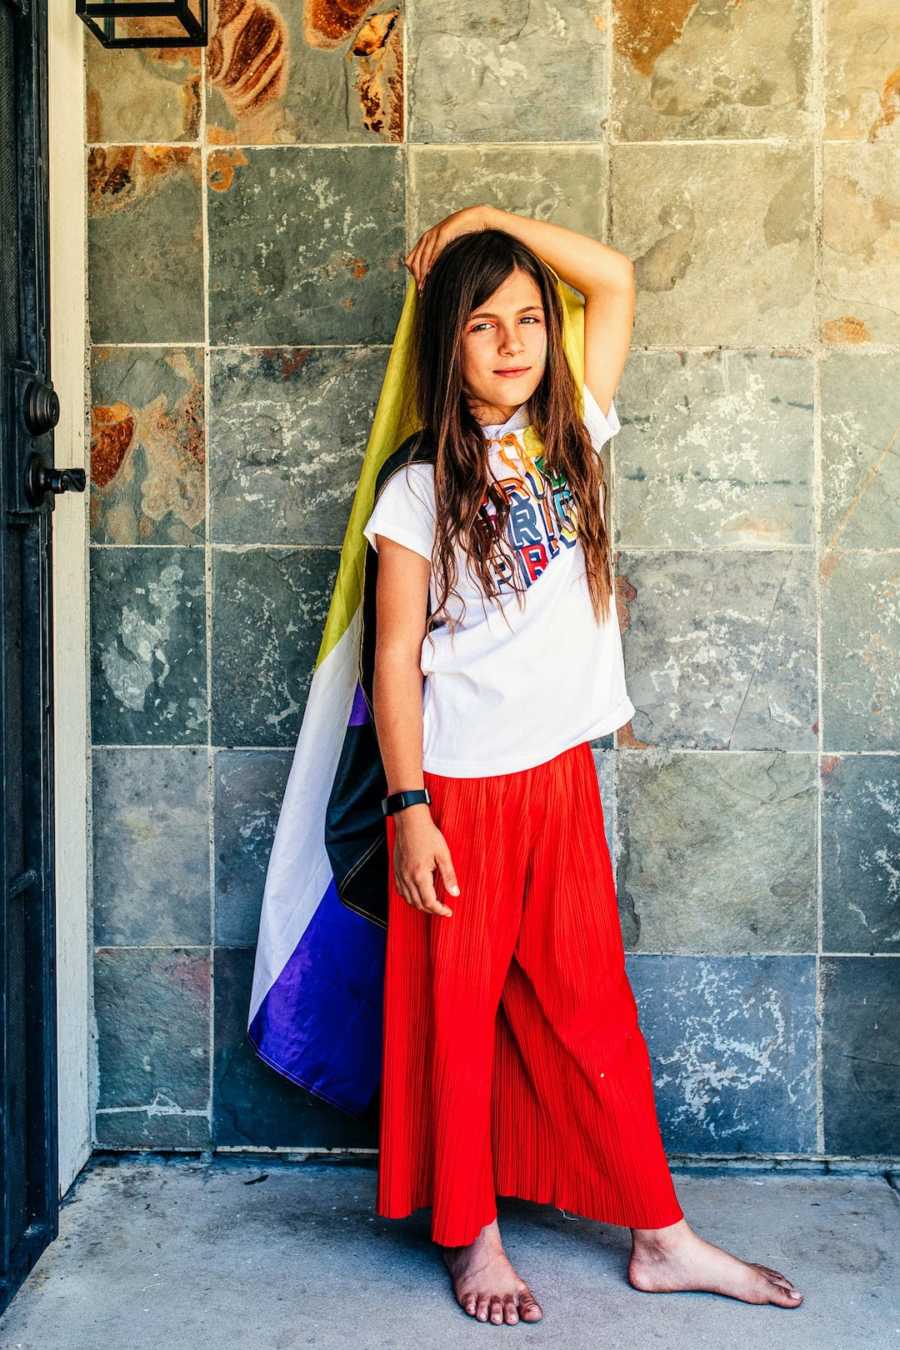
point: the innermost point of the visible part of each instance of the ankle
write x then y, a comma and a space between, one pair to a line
655, 1244
488, 1238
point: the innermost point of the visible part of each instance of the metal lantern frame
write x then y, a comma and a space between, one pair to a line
196, 32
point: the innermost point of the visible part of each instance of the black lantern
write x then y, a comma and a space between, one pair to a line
146, 23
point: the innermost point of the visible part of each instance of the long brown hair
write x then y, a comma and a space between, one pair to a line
465, 274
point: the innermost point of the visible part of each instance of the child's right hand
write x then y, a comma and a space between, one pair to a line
419, 847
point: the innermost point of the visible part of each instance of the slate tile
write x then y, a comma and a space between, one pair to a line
142, 94
159, 1127
249, 787
861, 853
288, 429
720, 649
732, 1044
152, 1008
722, 238
704, 71
145, 249
485, 70
860, 273
860, 1050
148, 646
717, 852
305, 245
860, 463
861, 651
281, 73
716, 449
269, 610
151, 847
565, 184
860, 74
148, 457
605, 764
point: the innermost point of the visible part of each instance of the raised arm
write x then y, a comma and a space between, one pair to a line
603, 275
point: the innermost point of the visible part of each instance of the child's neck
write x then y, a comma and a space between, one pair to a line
500, 416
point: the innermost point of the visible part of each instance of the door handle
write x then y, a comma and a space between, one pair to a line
43, 480
40, 413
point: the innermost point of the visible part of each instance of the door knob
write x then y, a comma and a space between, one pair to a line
40, 407
43, 480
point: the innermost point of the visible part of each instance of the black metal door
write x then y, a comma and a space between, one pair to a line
28, 412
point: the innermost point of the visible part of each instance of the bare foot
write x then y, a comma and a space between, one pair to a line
664, 1260
485, 1284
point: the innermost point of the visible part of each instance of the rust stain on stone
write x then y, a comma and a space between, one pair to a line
184, 424
378, 49
358, 268
625, 594
625, 737
112, 431
828, 764
120, 174
286, 361
329, 23
829, 565
890, 105
220, 168
642, 32
845, 330
248, 55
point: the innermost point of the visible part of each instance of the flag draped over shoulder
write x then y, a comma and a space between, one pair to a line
315, 1011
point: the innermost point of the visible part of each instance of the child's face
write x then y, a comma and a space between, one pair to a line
507, 332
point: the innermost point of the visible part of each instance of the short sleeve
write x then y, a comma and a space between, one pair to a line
404, 510
600, 428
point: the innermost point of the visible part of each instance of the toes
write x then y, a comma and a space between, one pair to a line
496, 1309
510, 1311
529, 1308
779, 1288
468, 1304
775, 1274
784, 1286
787, 1298
481, 1307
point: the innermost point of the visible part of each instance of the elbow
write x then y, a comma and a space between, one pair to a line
397, 656
626, 270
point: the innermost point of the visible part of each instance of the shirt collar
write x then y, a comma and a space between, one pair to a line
515, 422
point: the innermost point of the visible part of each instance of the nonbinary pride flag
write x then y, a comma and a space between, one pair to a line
316, 1003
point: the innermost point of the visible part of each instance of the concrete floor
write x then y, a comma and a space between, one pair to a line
242, 1254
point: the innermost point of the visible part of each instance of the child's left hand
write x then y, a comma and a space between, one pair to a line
422, 255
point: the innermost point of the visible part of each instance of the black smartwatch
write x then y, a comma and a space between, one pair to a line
396, 801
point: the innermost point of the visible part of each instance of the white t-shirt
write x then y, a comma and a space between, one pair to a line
522, 678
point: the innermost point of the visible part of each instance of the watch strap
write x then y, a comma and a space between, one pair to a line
396, 801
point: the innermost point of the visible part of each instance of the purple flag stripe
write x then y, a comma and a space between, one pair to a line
359, 713
320, 1023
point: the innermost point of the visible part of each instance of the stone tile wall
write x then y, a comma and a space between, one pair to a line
249, 210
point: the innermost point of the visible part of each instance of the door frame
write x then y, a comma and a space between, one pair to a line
70, 618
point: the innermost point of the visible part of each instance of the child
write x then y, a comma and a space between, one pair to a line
513, 1062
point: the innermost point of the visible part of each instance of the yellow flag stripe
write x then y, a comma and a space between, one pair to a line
393, 421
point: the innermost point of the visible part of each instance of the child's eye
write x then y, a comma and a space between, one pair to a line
486, 323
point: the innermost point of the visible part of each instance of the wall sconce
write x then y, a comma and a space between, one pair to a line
146, 23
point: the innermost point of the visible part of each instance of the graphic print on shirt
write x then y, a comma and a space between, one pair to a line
531, 529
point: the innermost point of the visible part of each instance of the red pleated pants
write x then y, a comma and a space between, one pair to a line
513, 1062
